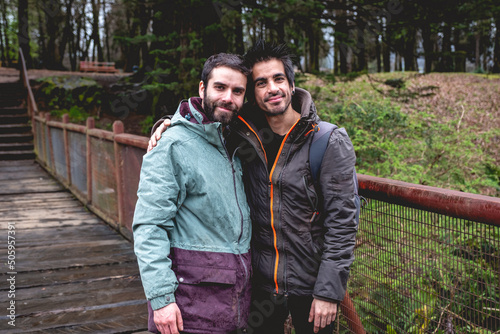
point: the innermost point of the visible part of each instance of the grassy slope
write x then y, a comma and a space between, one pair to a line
441, 130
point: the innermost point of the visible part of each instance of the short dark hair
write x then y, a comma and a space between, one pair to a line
235, 62
263, 51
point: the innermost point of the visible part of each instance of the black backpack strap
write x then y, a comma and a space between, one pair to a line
317, 152
318, 147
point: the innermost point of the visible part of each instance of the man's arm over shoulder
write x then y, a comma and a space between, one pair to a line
158, 128
160, 193
337, 187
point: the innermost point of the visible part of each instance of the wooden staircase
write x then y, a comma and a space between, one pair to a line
16, 137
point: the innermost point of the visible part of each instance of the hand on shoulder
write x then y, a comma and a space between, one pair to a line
153, 141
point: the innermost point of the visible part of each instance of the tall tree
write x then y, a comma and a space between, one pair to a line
23, 35
96, 35
67, 32
496, 48
5, 28
53, 16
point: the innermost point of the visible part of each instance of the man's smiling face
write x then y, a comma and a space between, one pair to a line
224, 95
273, 92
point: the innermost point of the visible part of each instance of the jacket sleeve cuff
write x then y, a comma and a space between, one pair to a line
327, 299
162, 301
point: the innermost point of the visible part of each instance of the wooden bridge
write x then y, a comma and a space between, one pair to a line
64, 270
69, 272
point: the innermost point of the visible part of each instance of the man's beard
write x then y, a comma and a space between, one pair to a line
224, 117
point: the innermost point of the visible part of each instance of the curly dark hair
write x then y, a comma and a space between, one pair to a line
235, 62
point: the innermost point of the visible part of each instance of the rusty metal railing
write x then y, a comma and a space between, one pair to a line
427, 260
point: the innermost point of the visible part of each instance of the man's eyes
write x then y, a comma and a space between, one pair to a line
263, 83
260, 83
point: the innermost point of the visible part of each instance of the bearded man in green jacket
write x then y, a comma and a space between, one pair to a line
192, 223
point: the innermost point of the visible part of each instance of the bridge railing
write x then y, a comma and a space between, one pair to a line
100, 167
427, 260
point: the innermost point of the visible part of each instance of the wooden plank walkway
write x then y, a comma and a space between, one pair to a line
72, 272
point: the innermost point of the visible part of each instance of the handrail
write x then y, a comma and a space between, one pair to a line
32, 108
479, 208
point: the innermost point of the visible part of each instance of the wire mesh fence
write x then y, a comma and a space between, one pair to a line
423, 272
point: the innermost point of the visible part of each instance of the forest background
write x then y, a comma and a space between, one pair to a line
413, 82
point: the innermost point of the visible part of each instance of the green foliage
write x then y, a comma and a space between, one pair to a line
147, 125
416, 147
77, 96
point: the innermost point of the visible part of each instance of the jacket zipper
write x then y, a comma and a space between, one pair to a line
276, 263
231, 159
280, 190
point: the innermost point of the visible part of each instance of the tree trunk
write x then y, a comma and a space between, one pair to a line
478, 50
41, 39
239, 47
78, 48
446, 60
428, 44
409, 50
106, 30
2, 48
67, 31
378, 51
95, 30
5, 29
386, 50
313, 42
52, 14
341, 32
362, 50
144, 17
496, 50
23, 35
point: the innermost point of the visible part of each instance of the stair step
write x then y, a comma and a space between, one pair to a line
12, 93
28, 146
14, 119
16, 137
14, 128
11, 103
17, 155
13, 111
7, 85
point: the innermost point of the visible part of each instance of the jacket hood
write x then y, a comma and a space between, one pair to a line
190, 114
302, 101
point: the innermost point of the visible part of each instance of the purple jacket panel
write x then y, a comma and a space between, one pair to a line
213, 293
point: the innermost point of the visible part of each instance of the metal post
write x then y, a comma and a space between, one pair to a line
90, 125
118, 129
65, 120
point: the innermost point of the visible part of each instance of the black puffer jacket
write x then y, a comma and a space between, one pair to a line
295, 250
